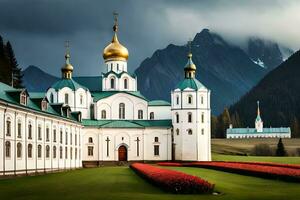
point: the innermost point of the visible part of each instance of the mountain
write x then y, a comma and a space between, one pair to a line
36, 80
226, 69
279, 96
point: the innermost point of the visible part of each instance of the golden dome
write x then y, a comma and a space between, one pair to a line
115, 50
190, 65
67, 66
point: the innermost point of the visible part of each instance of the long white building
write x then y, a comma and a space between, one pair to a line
91, 121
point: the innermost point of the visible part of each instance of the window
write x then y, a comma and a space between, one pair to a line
202, 131
39, 132
29, 131
71, 138
75, 139
202, 100
155, 139
44, 105
7, 149
8, 127
19, 150
90, 151
202, 117
103, 114
54, 135
39, 151
66, 137
117, 66
112, 83
54, 151
177, 131
66, 152
190, 132
66, 98
47, 151
177, 100
75, 153
19, 129
60, 152
140, 114
29, 150
189, 117
190, 99
23, 98
125, 83
177, 117
71, 153
156, 150
90, 140
152, 115
121, 111
51, 98
47, 134
81, 99
61, 136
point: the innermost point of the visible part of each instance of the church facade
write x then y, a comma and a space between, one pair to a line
259, 131
110, 119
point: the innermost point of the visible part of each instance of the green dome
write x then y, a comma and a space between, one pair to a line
190, 83
70, 83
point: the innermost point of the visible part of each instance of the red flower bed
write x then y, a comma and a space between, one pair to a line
265, 171
172, 181
293, 166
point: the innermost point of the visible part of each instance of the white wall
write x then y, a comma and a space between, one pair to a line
160, 112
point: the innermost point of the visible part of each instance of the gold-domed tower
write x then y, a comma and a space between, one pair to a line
115, 51
67, 68
190, 67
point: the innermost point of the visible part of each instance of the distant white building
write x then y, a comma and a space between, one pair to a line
91, 121
259, 131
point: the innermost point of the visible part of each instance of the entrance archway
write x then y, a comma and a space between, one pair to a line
122, 151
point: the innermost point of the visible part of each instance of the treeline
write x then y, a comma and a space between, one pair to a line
10, 72
219, 124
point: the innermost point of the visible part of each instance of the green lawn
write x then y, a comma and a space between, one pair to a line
121, 183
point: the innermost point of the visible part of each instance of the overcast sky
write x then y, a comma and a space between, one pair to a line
37, 29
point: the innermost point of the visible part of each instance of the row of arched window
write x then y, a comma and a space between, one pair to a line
122, 113
189, 99
189, 131
39, 151
190, 117
113, 83
39, 132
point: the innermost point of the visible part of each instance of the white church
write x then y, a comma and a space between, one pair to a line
94, 121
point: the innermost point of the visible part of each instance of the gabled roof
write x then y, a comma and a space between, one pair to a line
104, 94
159, 103
127, 123
70, 83
190, 83
93, 83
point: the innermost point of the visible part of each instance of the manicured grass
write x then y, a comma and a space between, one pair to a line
286, 160
122, 183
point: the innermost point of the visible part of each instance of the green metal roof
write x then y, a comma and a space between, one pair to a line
5, 95
159, 103
117, 74
127, 123
104, 94
70, 83
37, 95
190, 83
254, 131
94, 83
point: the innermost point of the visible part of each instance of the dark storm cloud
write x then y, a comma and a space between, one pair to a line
38, 28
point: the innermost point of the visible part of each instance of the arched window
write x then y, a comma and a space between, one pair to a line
61, 136
190, 132
112, 83
51, 98
81, 99
71, 138
177, 100
66, 98
177, 117
75, 153
75, 139
177, 131
152, 115
19, 129
47, 151
23, 98
103, 114
66, 137
54, 134
189, 117
8, 127
90, 151
202, 117
202, 131
47, 134
29, 131
7, 149
60, 152
39, 151
54, 151
71, 153
121, 111
29, 150
19, 150
90, 140
39, 132
125, 83
140, 114
202, 100
117, 66
66, 152
155, 139
190, 99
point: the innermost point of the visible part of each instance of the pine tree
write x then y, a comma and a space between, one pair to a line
214, 126
280, 151
16, 72
295, 128
223, 123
